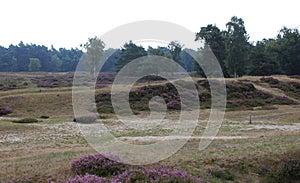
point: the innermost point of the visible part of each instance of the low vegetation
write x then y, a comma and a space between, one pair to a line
267, 150
99, 168
26, 120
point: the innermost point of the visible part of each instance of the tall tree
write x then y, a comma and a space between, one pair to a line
129, 52
56, 62
237, 47
156, 51
175, 48
263, 63
34, 65
187, 60
215, 39
287, 47
94, 50
6, 60
111, 56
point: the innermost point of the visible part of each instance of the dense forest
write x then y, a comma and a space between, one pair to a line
235, 53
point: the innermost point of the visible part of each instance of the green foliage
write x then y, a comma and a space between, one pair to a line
231, 47
215, 39
129, 52
263, 63
286, 48
16, 58
57, 62
223, 175
94, 52
237, 46
34, 65
175, 48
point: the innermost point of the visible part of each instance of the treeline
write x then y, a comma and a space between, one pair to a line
31, 57
236, 55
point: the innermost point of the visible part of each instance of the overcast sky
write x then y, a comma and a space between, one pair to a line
68, 23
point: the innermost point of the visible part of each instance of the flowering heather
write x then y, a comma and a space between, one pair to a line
87, 179
99, 86
5, 110
97, 164
155, 175
174, 104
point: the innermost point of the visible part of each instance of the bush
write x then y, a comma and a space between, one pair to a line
174, 105
224, 175
269, 107
160, 175
101, 85
44, 117
5, 110
270, 80
87, 179
26, 120
286, 170
290, 169
97, 164
86, 119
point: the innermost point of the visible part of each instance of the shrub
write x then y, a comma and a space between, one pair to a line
287, 169
101, 85
270, 80
282, 100
5, 110
173, 104
97, 164
269, 107
224, 175
160, 175
86, 119
26, 120
44, 117
290, 169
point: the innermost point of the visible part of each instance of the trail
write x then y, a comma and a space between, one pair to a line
274, 91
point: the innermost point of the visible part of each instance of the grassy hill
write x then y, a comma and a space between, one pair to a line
267, 150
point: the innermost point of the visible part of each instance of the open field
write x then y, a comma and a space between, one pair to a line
241, 152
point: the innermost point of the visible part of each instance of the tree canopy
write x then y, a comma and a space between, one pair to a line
235, 54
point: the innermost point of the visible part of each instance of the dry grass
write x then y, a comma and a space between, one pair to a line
44, 150
53, 104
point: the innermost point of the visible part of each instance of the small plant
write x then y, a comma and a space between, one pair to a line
158, 174
224, 175
290, 169
86, 119
87, 179
97, 164
286, 170
26, 120
174, 104
101, 85
269, 107
270, 80
5, 110
44, 117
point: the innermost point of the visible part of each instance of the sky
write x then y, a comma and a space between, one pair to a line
69, 23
